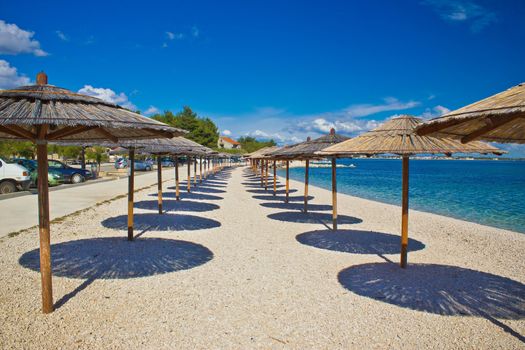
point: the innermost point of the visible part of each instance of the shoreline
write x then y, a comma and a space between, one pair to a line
300, 186
419, 204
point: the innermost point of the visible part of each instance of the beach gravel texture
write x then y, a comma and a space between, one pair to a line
237, 269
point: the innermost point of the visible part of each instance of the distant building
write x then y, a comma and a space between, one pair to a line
228, 143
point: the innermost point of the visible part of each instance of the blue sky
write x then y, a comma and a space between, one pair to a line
280, 69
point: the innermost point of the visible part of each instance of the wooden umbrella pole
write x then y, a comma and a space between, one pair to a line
274, 177
266, 176
306, 185
189, 175
44, 229
159, 182
262, 173
131, 190
195, 171
177, 190
404, 217
287, 181
200, 170
334, 194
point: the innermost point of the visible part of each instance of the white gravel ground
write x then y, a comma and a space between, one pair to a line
232, 269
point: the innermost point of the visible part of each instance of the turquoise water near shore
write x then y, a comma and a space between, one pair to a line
486, 192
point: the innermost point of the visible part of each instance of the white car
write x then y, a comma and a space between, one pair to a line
13, 177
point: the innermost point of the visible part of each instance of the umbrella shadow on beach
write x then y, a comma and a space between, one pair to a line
312, 218
296, 206
191, 195
200, 188
117, 258
440, 289
183, 184
270, 197
270, 190
356, 241
173, 205
165, 222
206, 189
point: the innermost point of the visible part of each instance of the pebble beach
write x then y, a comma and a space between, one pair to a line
231, 266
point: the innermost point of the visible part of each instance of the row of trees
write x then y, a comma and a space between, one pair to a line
25, 149
205, 132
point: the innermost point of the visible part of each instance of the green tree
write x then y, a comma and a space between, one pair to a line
251, 144
201, 130
69, 152
12, 148
97, 154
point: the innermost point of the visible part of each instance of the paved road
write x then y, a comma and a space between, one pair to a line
21, 212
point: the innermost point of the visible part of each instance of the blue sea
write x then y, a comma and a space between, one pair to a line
486, 192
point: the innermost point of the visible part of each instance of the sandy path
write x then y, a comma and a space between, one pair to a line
237, 270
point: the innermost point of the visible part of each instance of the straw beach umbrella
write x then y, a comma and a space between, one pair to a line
42, 113
266, 158
259, 157
498, 118
158, 147
306, 151
398, 136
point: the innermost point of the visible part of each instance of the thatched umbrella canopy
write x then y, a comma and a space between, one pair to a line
260, 158
498, 118
307, 150
264, 156
177, 146
398, 136
42, 113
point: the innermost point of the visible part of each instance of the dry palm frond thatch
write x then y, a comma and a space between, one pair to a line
261, 153
72, 116
398, 136
309, 148
498, 118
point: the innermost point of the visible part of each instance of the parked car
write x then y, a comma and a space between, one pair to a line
143, 165
72, 175
13, 177
121, 163
54, 177
73, 162
167, 162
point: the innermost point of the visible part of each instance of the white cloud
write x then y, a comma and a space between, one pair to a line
227, 132
285, 127
463, 11
195, 32
390, 104
14, 41
434, 112
9, 77
174, 36
108, 95
151, 110
61, 35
